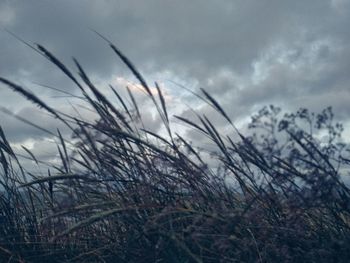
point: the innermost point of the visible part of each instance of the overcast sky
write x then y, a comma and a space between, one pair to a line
246, 53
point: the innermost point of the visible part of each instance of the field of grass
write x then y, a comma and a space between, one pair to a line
125, 194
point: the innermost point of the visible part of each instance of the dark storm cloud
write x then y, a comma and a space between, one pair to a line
246, 53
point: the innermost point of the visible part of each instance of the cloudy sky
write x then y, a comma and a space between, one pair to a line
246, 53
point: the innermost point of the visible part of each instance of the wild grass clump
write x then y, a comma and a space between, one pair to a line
125, 194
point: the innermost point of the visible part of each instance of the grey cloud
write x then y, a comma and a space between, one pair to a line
161, 33
214, 44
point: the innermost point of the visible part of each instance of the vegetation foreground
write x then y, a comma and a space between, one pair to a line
277, 195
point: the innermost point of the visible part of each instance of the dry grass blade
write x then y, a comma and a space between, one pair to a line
191, 124
78, 209
59, 64
100, 96
128, 63
184, 247
69, 94
63, 160
141, 143
217, 105
60, 177
12, 255
157, 136
162, 100
4, 144
95, 218
134, 103
132, 68
214, 134
122, 102
190, 91
5, 165
29, 96
9, 113
66, 157
30, 153
190, 148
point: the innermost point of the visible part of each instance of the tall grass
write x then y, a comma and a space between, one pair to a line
125, 194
